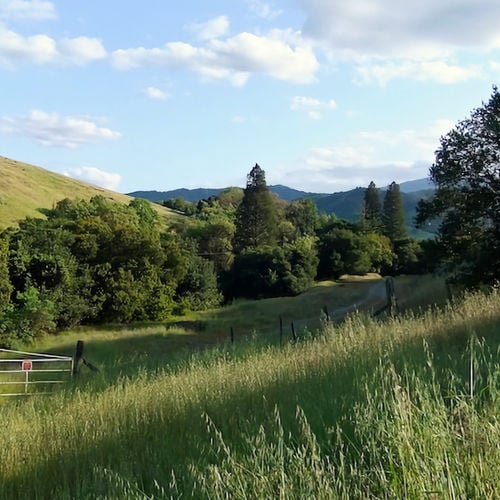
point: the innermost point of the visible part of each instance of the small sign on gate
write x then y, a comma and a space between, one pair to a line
27, 365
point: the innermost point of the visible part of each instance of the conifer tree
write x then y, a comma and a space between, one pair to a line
371, 216
256, 217
393, 214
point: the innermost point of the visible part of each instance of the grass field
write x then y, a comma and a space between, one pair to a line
25, 189
154, 345
404, 408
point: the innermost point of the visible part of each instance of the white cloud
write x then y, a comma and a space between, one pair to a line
214, 28
263, 9
381, 156
390, 28
421, 143
391, 39
81, 50
156, 93
37, 10
93, 175
313, 107
51, 129
17, 49
434, 71
234, 59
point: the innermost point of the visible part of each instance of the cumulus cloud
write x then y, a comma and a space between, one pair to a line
81, 50
214, 28
341, 178
93, 175
156, 93
313, 107
390, 39
328, 170
234, 59
37, 10
16, 49
380, 155
417, 142
263, 10
432, 71
419, 30
52, 129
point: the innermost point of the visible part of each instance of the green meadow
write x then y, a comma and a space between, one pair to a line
366, 407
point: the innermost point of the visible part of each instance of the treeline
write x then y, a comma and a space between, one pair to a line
97, 261
262, 246
102, 262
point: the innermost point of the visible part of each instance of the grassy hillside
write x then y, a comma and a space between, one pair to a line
24, 189
403, 408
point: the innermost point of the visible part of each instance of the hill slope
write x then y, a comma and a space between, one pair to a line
24, 189
195, 195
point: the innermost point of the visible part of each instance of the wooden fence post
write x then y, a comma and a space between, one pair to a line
78, 357
391, 297
327, 314
232, 335
294, 335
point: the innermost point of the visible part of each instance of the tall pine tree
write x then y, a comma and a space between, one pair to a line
256, 217
371, 216
393, 215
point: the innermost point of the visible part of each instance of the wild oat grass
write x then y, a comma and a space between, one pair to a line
400, 408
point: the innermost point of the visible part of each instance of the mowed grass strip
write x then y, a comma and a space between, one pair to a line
347, 405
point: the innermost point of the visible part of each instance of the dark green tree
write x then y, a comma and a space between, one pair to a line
371, 214
303, 214
256, 216
342, 251
275, 271
466, 173
393, 214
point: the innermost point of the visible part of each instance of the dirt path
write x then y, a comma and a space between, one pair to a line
374, 299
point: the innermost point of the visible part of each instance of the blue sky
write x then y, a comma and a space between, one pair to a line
325, 95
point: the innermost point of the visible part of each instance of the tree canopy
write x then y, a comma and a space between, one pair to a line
371, 215
256, 217
393, 214
466, 173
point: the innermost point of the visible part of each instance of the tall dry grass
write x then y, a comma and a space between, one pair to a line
400, 408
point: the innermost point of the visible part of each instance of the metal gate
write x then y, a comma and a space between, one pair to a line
25, 373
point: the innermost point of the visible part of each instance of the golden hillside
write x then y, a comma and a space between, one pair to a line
24, 189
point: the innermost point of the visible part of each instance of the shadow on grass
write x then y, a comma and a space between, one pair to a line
328, 400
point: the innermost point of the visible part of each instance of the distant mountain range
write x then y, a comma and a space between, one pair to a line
344, 204
284, 192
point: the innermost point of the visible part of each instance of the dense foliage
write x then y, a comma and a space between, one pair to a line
99, 262
467, 199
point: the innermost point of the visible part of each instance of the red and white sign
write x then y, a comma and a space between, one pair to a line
27, 365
